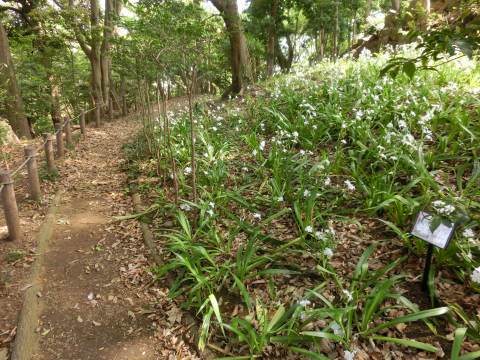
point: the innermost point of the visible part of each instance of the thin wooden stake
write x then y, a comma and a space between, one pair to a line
10, 206
33, 179
49, 152
59, 136
82, 124
68, 133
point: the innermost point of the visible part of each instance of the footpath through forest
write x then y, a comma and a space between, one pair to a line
95, 295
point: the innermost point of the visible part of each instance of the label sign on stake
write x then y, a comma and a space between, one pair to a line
440, 237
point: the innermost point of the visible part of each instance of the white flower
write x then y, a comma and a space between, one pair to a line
295, 134
280, 198
254, 152
327, 181
308, 229
438, 204
306, 193
320, 235
257, 216
210, 212
476, 275
187, 170
349, 355
349, 185
211, 204
185, 207
262, 145
402, 124
214, 128
468, 233
337, 330
304, 302
328, 252
348, 294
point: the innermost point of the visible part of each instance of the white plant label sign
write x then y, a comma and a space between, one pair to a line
440, 237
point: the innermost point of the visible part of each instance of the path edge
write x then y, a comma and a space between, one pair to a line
148, 239
26, 340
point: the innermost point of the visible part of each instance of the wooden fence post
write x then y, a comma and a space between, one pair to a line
10, 206
68, 133
97, 116
59, 136
47, 138
33, 179
82, 123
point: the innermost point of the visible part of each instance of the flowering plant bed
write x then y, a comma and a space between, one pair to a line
298, 243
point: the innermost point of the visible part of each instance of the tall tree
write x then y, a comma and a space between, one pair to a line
239, 55
13, 105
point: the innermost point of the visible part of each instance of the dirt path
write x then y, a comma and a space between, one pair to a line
95, 298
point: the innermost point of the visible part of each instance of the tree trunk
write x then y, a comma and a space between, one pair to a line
96, 83
271, 39
106, 63
14, 110
239, 56
335, 33
426, 6
396, 5
285, 62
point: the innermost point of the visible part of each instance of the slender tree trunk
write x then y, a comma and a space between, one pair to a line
192, 134
96, 83
239, 56
123, 95
396, 5
426, 6
14, 109
271, 39
336, 32
106, 65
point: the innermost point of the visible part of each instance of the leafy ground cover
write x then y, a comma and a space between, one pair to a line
298, 245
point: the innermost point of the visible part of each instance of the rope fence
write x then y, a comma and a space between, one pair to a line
7, 191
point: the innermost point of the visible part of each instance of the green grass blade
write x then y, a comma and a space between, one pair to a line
457, 342
307, 353
419, 315
407, 342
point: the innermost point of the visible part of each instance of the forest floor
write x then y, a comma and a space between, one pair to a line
96, 300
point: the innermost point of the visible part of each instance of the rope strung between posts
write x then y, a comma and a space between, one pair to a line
13, 173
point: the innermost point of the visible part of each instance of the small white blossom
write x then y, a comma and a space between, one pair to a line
328, 252
279, 198
304, 302
327, 181
187, 170
349, 355
257, 216
306, 193
185, 207
308, 229
350, 186
468, 233
337, 330
348, 294
476, 275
